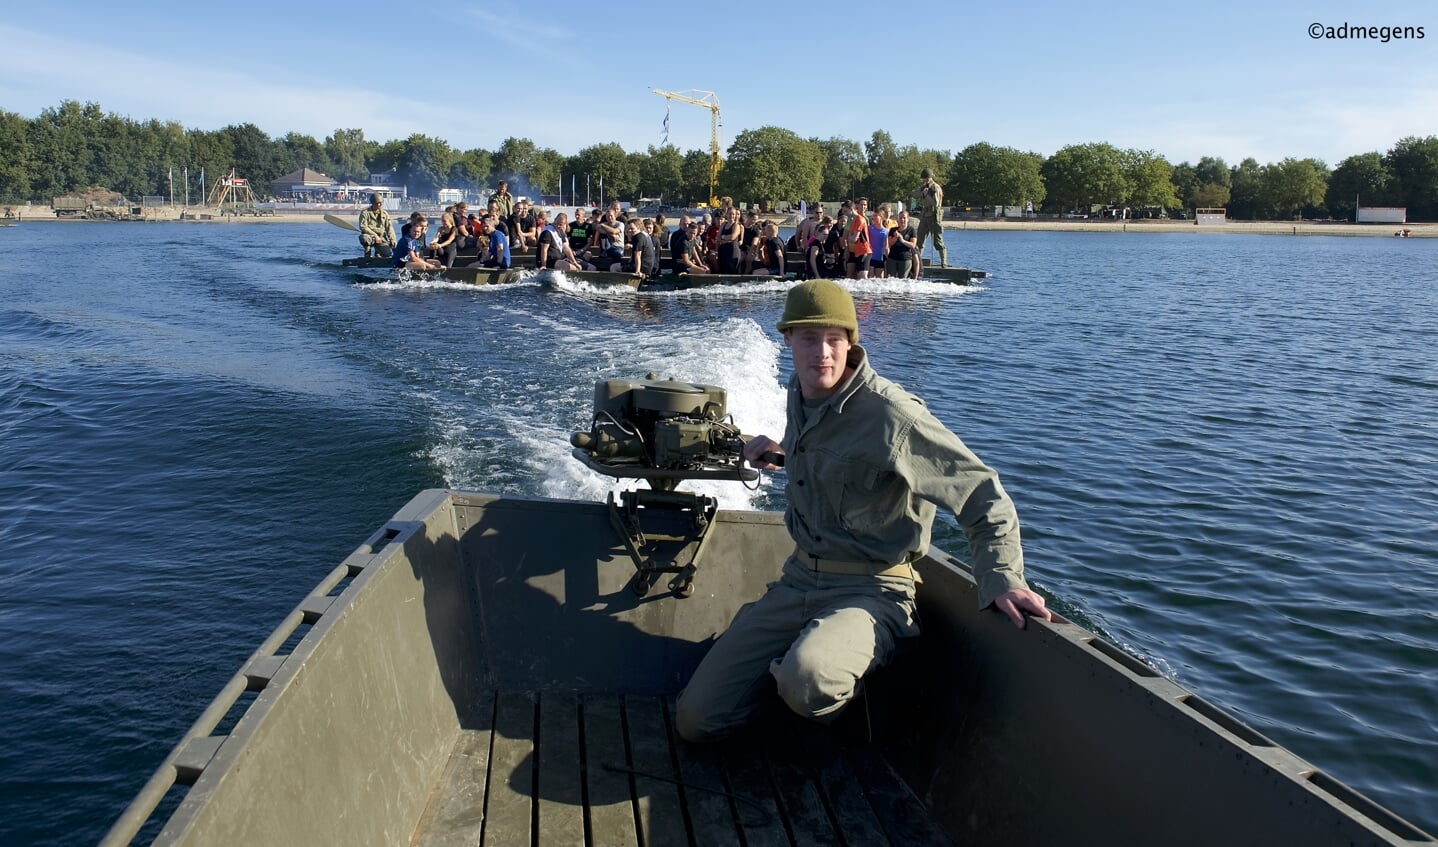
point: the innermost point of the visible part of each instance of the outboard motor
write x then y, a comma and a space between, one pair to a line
662, 431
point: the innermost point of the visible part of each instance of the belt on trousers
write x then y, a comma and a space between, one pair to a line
839, 566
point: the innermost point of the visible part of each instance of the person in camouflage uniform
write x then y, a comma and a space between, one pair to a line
931, 216
376, 229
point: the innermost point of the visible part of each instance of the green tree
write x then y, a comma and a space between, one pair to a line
254, 156
881, 156
879, 148
63, 143
16, 162
1082, 175
1204, 186
845, 168
983, 174
1361, 179
1185, 182
347, 151
1288, 187
471, 169
609, 162
771, 164
424, 164
302, 151
1214, 171
1149, 178
549, 167
897, 176
136, 160
1209, 195
1413, 164
1245, 202
517, 161
211, 154
694, 173
663, 174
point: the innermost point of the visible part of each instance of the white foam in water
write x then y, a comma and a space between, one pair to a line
561, 281
406, 280
517, 439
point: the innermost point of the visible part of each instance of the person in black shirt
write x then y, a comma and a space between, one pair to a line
678, 243
903, 244
579, 232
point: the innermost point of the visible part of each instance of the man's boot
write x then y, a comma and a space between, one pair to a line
943, 258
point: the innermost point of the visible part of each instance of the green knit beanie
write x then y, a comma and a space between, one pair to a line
820, 302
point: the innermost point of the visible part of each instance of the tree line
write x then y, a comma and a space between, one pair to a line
76, 146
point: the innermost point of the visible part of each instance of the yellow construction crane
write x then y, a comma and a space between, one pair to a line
710, 101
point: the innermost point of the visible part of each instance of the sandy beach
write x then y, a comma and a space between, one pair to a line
197, 214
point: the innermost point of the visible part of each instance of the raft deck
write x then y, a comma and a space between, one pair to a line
565, 768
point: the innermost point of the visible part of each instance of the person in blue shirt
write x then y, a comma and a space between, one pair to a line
498, 245
406, 252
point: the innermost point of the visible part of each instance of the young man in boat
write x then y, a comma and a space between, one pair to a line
498, 255
867, 465
522, 229
554, 252
579, 232
679, 244
642, 259
407, 251
691, 261
376, 229
609, 238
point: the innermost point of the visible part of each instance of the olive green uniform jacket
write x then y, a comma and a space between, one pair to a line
376, 224
867, 470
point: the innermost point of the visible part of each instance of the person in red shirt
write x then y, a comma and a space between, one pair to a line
857, 239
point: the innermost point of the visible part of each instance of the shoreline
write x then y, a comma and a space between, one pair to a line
201, 215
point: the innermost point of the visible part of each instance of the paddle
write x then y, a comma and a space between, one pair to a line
341, 223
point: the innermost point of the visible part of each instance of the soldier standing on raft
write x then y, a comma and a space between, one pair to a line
931, 215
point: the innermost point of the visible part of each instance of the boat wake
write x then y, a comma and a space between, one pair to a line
495, 435
405, 280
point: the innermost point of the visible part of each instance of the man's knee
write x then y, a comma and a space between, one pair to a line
811, 686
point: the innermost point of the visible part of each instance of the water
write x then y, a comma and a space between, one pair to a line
1223, 449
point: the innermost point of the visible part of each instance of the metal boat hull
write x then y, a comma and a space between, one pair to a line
413, 697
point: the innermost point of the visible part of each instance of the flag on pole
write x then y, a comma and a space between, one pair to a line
666, 123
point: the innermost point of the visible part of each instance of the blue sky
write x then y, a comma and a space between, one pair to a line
1186, 80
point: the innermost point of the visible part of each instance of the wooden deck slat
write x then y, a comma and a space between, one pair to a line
757, 808
901, 814
846, 799
809, 823
611, 803
561, 792
660, 810
455, 816
511, 783
560, 768
706, 796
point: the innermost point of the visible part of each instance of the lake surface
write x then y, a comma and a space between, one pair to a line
1224, 450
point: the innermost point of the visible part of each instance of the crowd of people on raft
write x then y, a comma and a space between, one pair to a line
855, 243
